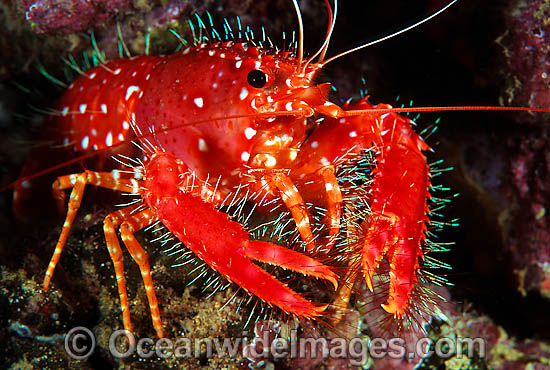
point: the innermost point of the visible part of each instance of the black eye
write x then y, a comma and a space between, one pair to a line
256, 78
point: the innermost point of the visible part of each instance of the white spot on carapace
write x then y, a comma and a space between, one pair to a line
115, 174
271, 119
117, 71
293, 154
82, 108
243, 94
249, 133
94, 132
384, 132
120, 137
328, 186
134, 74
245, 156
238, 63
288, 106
65, 111
202, 145
130, 90
125, 125
92, 75
211, 53
314, 144
214, 85
148, 76
287, 82
104, 108
109, 139
84, 143
325, 161
342, 120
353, 134
271, 161
199, 102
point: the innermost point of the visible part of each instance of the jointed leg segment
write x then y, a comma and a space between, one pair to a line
128, 223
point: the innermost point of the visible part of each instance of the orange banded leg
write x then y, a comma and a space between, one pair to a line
109, 228
295, 203
334, 199
127, 228
78, 183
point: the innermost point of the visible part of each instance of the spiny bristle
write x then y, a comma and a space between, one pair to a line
355, 179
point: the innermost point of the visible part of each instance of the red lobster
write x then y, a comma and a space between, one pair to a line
240, 114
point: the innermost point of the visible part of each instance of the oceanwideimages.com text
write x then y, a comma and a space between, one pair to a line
80, 343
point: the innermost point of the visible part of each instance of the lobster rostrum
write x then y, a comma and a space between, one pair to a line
221, 115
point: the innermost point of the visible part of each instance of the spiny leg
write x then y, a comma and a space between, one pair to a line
294, 202
127, 229
353, 270
334, 199
78, 183
397, 227
109, 227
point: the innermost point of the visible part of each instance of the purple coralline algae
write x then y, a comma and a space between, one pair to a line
70, 16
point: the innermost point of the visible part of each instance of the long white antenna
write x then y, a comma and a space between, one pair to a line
301, 33
391, 35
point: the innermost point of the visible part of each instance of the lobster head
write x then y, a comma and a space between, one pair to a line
226, 106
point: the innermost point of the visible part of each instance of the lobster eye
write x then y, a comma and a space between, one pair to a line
256, 78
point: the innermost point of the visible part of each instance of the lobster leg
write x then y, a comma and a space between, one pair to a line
113, 246
397, 223
226, 247
396, 227
128, 224
127, 229
334, 199
223, 244
294, 202
78, 182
